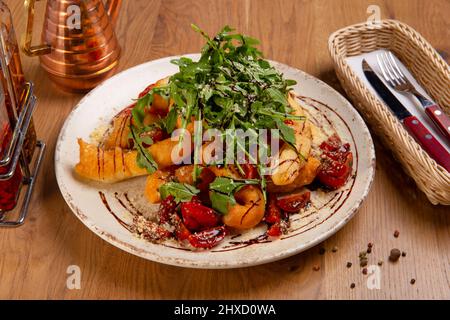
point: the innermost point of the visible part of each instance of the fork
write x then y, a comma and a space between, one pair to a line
399, 82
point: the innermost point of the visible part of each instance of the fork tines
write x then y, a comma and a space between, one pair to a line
390, 69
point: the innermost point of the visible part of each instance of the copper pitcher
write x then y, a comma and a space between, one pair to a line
80, 48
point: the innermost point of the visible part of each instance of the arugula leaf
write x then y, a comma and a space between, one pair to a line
222, 191
277, 96
144, 159
229, 186
181, 192
170, 121
231, 87
147, 140
138, 111
221, 202
286, 132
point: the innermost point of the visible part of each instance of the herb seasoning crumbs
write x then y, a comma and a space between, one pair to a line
363, 259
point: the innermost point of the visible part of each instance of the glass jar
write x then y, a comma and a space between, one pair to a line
13, 95
9, 189
12, 77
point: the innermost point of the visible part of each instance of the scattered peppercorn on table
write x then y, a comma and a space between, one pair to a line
396, 246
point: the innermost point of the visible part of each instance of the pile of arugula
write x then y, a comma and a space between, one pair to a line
230, 87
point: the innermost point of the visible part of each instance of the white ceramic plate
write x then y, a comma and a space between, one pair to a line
329, 213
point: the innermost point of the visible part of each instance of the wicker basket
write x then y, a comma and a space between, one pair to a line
429, 69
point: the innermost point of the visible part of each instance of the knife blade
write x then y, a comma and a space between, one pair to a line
422, 135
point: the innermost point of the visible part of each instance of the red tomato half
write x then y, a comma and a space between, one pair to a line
274, 230
337, 162
166, 209
207, 239
293, 202
273, 213
250, 171
198, 217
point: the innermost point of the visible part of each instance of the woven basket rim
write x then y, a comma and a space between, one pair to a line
343, 69
383, 23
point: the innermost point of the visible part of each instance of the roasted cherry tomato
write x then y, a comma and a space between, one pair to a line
294, 202
334, 174
337, 162
182, 233
333, 143
166, 209
207, 239
274, 230
250, 171
206, 177
273, 213
197, 217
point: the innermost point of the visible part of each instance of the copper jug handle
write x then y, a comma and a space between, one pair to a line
26, 45
112, 8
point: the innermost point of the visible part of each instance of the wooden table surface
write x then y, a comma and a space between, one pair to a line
34, 258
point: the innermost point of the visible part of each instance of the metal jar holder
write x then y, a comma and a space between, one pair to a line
14, 157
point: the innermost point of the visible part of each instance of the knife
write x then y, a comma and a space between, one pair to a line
422, 135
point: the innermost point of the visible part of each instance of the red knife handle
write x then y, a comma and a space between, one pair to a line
428, 141
440, 119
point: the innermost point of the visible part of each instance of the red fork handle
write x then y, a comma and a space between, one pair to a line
428, 141
440, 119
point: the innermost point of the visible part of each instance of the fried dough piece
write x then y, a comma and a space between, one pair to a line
107, 165
169, 152
117, 135
228, 171
249, 209
119, 164
288, 164
306, 176
160, 104
154, 181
